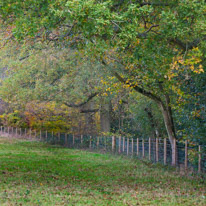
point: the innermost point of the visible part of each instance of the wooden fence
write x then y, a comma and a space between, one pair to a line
189, 157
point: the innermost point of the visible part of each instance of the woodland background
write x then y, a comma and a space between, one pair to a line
129, 68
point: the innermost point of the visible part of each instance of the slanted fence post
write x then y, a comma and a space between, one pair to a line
165, 151
199, 159
186, 155
149, 148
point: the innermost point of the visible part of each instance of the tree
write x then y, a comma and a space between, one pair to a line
144, 44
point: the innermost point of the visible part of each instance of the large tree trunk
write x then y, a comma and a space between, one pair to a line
165, 108
168, 120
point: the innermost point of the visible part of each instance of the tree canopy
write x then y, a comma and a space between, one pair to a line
155, 47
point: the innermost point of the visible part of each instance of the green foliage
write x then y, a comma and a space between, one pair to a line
153, 46
13, 119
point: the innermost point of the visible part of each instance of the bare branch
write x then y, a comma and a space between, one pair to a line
185, 46
82, 103
89, 110
144, 34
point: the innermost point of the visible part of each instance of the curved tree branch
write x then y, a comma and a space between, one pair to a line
139, 89
82, 103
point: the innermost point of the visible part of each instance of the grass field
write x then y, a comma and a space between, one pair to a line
33, 173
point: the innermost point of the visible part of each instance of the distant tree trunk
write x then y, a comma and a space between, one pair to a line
105, 116
152, 122
89, 118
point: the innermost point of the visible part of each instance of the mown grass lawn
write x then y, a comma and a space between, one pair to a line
34, 173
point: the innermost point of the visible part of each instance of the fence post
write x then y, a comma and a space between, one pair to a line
112, 143
165, 151
157, 150
46, 135
20, 132
16, 131
119, 144
97, 138
199, 159
40, 134
175, 152
132, 146
149, 148
59, 135
127, 146
53, 137
1, 129
30, 133
90, 142
143, 153
12, 130
123, 146
115, 143
81, 139
8, 130
137, 146
65, 139
73, 139
35, 134
25, 130
186, 155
